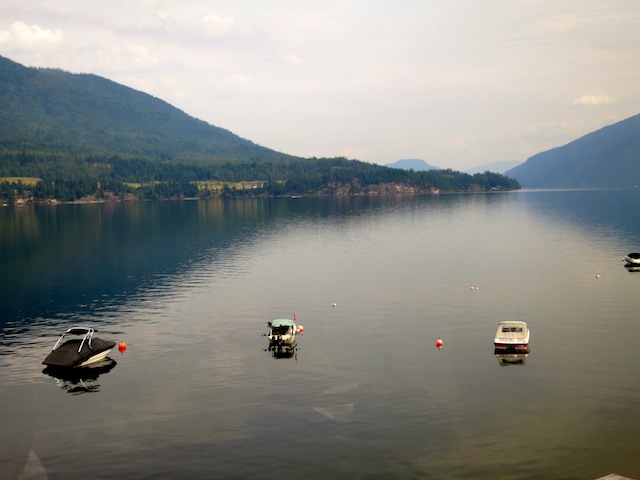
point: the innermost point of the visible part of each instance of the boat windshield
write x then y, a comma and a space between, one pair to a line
507, 328
280, 329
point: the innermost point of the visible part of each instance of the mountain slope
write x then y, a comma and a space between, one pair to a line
609, 157
49, 109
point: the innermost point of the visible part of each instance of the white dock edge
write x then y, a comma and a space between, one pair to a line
613, 476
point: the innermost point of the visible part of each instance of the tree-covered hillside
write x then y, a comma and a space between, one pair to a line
69, 137
45, 110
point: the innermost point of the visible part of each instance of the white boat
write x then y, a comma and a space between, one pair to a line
84, 349
282, 334
632, 258
512, 335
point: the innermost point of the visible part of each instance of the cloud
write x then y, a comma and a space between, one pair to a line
592, 100
217, 25
292, 59
29, 37
140, 54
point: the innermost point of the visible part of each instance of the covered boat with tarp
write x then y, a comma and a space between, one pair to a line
632, 259
79, 349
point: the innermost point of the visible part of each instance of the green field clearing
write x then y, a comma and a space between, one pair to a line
215, 185
29, 181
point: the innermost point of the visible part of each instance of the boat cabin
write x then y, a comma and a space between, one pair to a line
282, 327
513, 329
512, 335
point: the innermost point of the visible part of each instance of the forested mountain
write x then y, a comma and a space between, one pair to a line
69, 137
52, 110
609, 157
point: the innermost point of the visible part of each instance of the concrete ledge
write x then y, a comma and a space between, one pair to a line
613, 476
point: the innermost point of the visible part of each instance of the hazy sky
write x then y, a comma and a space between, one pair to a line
458, 83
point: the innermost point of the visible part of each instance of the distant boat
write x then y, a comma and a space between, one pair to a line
512, 335
632, 258
82, 350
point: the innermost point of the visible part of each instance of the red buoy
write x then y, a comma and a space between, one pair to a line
122, 347
439, 343
300, 329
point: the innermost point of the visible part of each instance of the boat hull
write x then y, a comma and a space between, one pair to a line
282, 341
515, 347
67, 354
96, 358
632, 259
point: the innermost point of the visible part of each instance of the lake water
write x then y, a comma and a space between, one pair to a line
190, 286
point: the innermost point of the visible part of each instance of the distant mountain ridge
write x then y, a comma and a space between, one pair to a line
497, 167
412, 164
606, 158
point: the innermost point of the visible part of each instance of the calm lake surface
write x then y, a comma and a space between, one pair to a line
190, 286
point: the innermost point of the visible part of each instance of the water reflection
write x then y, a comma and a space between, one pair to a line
511, 359
279, 352
374, 399
590, 209
79, 380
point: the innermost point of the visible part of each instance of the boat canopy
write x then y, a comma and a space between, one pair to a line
282, 322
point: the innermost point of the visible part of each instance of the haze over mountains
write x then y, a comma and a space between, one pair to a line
418, 164
498, 167
412, 164
606, 158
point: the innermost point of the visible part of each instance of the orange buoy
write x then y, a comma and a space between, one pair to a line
122, 347
439, 343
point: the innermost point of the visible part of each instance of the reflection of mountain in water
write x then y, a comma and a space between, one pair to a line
81, 258
80, 380
592, 209
75, 257
78, 258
